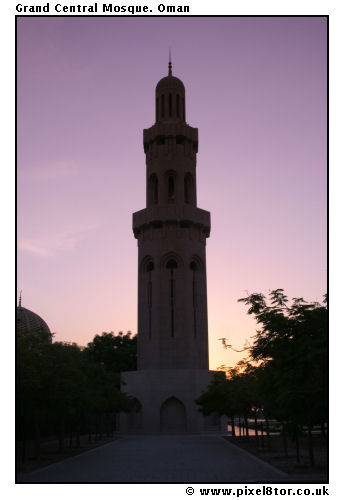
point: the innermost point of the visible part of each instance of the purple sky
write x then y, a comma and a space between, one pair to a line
256, 90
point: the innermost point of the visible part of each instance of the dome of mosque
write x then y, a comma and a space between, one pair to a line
29, 322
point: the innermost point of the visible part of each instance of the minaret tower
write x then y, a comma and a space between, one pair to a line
171, 233
172, 298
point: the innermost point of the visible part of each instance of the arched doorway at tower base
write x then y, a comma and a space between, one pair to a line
173, 418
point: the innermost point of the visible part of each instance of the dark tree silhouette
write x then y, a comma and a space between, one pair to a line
286, 375
118, 353
62, 386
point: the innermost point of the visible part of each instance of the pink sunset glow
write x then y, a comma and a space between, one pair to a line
256, 90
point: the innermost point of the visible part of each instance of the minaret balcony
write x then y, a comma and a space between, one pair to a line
172, 129
158, 215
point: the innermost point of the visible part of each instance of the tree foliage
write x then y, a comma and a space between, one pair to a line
118, 353
61, 384
286, 374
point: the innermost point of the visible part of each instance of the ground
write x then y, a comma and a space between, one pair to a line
161, 459
273, 453
50, 451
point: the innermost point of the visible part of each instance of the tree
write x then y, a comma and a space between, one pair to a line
30, 352
217, 397
229, 395
118, 353
291, 348
61, 385
286, 375
292, 343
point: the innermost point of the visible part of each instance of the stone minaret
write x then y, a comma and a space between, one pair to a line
171, 233
172, 299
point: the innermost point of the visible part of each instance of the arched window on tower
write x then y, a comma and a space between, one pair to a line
162, 105
183, 109
171, 188
172, 265
177, 105
157, 115
170, 105
194, 268
153, 190
188, 188
149, 269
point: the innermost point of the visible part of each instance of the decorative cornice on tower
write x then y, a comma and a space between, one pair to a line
171, 130
184, 214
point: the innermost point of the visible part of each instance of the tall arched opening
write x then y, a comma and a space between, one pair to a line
189, 190
173, 416
152, 195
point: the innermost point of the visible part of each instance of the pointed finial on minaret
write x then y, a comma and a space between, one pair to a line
20, 298
170, 65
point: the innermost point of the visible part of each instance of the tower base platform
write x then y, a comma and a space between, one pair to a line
166, 399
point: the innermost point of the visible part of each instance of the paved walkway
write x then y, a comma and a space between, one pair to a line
160, 459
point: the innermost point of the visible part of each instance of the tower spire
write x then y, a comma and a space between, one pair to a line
170, 65
20, 298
